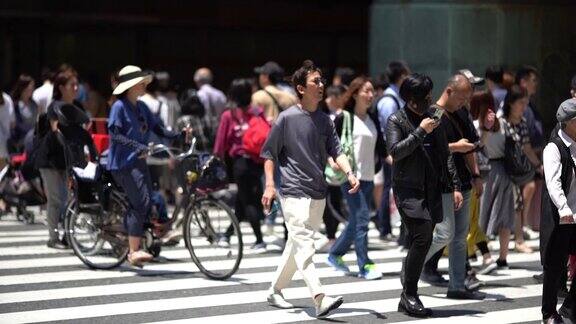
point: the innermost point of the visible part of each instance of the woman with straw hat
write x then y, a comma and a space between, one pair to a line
130, 125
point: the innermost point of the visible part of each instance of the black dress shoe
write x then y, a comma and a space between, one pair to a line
554, 319
539, 278
434, 278
465, 294
567, 313
412, 306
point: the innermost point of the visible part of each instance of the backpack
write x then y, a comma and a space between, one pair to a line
255, 136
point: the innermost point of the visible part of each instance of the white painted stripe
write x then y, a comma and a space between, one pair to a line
245, 298
355, 309
189, 266
519, 315
42, 233
178, 284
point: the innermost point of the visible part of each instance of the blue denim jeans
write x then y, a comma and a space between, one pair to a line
136, 183
452, 231
356, 231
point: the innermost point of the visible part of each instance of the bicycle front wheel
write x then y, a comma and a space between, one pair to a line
212, 235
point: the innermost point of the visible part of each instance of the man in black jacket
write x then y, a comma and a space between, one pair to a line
422, 164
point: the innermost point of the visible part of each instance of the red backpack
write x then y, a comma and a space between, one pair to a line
255, 136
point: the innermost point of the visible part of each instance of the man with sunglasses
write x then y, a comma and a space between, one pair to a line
300, 142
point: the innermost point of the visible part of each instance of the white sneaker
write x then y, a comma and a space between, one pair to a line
327, 305
276, 299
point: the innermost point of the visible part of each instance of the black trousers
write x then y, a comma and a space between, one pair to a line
333, 204
248, 207
418, 239
560, 244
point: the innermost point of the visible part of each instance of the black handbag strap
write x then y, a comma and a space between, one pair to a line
280, 108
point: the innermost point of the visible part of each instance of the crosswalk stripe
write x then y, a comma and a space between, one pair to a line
519, 315
54, 285
189, 266
356, 309
194, 283
241, 298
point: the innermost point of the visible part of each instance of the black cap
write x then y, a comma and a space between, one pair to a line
270, 68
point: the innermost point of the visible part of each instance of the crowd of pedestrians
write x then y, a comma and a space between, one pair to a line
460, 169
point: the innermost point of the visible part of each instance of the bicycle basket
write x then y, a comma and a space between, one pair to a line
213, 175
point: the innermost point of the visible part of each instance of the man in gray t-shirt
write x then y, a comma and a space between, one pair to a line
301, 141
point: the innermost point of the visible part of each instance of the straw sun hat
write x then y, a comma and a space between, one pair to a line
130, 76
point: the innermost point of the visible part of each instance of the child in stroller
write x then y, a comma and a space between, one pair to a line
21, 185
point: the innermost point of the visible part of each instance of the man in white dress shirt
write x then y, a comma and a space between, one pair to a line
558, 226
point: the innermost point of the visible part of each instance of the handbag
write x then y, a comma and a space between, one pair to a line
337, 177
516, 162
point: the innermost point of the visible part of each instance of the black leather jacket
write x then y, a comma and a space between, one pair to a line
404, 143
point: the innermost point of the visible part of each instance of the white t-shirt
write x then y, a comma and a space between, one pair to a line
43, 96
6, 119
365, 135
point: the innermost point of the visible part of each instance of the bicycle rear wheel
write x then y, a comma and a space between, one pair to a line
213, 238
95, 235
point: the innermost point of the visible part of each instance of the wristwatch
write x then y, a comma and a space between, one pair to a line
349, 173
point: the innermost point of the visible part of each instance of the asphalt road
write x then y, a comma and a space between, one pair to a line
38, 284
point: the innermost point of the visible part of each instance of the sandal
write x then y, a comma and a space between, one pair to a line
523, 248
138, 258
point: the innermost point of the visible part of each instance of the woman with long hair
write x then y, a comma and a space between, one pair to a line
25, 111
247, 171
368, 145
505, 198
61, 142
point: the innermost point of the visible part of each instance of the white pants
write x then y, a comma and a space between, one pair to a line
302, 217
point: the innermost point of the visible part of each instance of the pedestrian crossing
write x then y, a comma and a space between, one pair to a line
38, 284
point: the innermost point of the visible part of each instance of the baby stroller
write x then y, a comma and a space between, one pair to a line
21, 187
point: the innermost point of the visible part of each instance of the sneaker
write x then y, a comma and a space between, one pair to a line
55, 244
433, 278
276, 299
224, 242
472, 283
488, 268
502, 265
172, 238
370, 272
529, 234
337, 263
465, 294
539, 277
258, 248
328, 304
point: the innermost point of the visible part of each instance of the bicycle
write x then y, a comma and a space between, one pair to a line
95, 228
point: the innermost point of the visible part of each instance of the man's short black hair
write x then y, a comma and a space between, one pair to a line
416, 87
495, 73
395, 70
299, 77
335, 90
346, 74
525, 72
